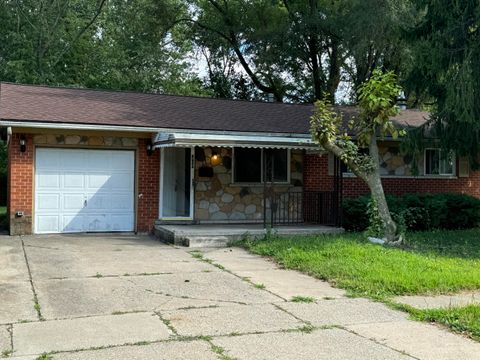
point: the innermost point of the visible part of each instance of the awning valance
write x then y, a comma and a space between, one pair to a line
179, 139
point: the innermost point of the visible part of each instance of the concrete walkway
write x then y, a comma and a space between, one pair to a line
128, 297
440, 301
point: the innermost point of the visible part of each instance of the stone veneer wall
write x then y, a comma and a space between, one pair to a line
217, 199
394, 163
108, 141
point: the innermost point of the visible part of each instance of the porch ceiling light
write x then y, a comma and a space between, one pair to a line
23, 144
215, 159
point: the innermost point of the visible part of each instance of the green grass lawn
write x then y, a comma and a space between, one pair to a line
3, 217
432, 263
464, 320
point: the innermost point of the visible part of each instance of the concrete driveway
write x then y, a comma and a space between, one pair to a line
131, 297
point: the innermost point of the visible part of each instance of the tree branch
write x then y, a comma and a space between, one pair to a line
81, 32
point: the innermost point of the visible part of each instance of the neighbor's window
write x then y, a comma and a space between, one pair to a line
248, 165
437, 163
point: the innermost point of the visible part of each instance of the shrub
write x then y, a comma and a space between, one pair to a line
418, 212
355, 216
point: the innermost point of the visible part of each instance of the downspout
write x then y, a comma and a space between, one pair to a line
9, 134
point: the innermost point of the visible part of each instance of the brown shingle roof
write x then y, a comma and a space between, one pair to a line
80, 106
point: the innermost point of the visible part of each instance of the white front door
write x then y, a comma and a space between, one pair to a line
176, 187
84, 190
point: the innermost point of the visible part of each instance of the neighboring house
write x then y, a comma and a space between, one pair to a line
88, 160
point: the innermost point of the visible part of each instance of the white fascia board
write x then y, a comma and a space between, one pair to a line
70, 126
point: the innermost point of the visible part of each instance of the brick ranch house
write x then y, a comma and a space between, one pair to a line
89, 160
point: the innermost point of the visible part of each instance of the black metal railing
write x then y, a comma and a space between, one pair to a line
315, 207
321, 207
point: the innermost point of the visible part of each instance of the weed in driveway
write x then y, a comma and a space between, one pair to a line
6, 353
221, 267
196, 254
44, 356
307, 329
38, 309
302, 299
220, 351
259, 286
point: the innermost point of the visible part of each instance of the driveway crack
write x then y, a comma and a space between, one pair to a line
10, 332
35, 297
378, 342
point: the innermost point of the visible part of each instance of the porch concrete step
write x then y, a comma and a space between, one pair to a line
210, 241
220, 235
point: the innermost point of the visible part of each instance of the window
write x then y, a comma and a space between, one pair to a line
277, 162
248, 165
437, 163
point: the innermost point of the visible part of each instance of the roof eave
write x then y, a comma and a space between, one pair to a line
139, 129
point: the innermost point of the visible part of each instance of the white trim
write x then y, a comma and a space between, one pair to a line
71, 126
160, 191
192, 189
287, 182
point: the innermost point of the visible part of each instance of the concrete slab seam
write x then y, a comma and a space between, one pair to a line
223, 268
306, 322
35, 297
378, 342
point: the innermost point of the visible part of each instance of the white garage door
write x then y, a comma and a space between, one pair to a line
84, 190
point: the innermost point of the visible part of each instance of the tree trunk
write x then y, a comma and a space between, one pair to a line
374, 182
376, 189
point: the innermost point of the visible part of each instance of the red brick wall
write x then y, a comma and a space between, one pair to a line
148, 187
316, 178
20, 185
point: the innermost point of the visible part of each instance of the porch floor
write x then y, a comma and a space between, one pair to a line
217, 235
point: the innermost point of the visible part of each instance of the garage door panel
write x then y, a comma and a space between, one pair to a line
72, 159
47, 223
99, 160
73, 223
48, 202
99, 202
98, 181
97, 222
48, 180
65, 178
122, 202
121, 222
73, 201
52, 161
120, 181
73, 180
122, 160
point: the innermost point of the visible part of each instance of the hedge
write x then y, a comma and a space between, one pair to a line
418, 212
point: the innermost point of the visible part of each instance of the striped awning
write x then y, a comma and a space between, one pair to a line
181, 139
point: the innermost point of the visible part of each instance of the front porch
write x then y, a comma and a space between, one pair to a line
222, 188
216, 235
